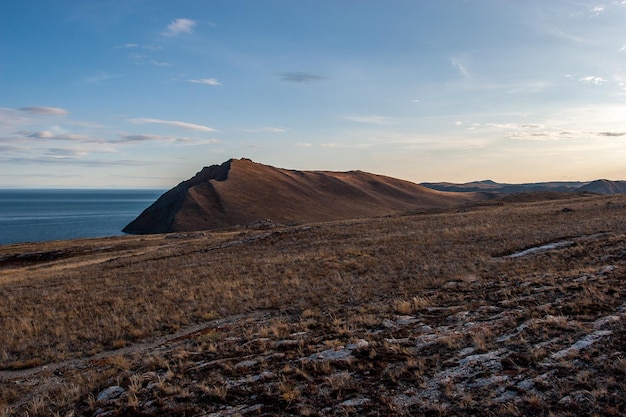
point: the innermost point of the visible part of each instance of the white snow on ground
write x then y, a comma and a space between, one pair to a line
542, 248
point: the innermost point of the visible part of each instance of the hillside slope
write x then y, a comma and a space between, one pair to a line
605, 187
239, 192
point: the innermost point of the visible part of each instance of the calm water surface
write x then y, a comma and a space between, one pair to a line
41, 215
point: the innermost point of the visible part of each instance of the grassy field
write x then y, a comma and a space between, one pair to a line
430, 313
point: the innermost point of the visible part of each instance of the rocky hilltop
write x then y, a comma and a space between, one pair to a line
240, 192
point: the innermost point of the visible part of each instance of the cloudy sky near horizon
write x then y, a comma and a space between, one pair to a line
144, 93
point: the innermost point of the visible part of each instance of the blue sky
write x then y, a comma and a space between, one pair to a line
144, 93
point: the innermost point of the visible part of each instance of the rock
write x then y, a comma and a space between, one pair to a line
110, 393
404, 320
359, 344
342, 353
388, 324
246, 364
607, 269
355, 402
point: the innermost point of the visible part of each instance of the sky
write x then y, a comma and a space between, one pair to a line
144, 93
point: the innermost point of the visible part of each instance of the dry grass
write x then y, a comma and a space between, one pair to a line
415, 314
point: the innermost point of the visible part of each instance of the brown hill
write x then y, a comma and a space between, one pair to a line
239, 192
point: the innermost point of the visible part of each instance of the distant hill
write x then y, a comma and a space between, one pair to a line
240, 192
605, 187
598, 186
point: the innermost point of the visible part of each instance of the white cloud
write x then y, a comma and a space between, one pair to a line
593, 80
173, 123
206, 81
377, 120
623, 48
180, 26
598, 9
44, 111
458, 123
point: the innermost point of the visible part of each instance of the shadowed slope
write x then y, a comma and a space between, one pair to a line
239, 192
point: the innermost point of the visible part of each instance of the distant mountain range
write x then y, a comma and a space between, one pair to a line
597, 186
240, 192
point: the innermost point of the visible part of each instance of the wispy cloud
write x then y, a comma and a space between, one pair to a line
593, 80
151, 138
595, 11
180, 26
44, 111
529, 87
561, 34
173, 123
74, 161
8, 148
300, 77
160, 63
377, 120
460, 67
132, 45
206, 81
99, 77
46, 134
65, 152
612, 134
267, 129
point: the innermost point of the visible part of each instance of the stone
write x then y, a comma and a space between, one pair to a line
110, 393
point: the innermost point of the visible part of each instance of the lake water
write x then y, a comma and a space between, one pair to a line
41, 215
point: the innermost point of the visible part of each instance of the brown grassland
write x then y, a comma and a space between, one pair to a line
415, 314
